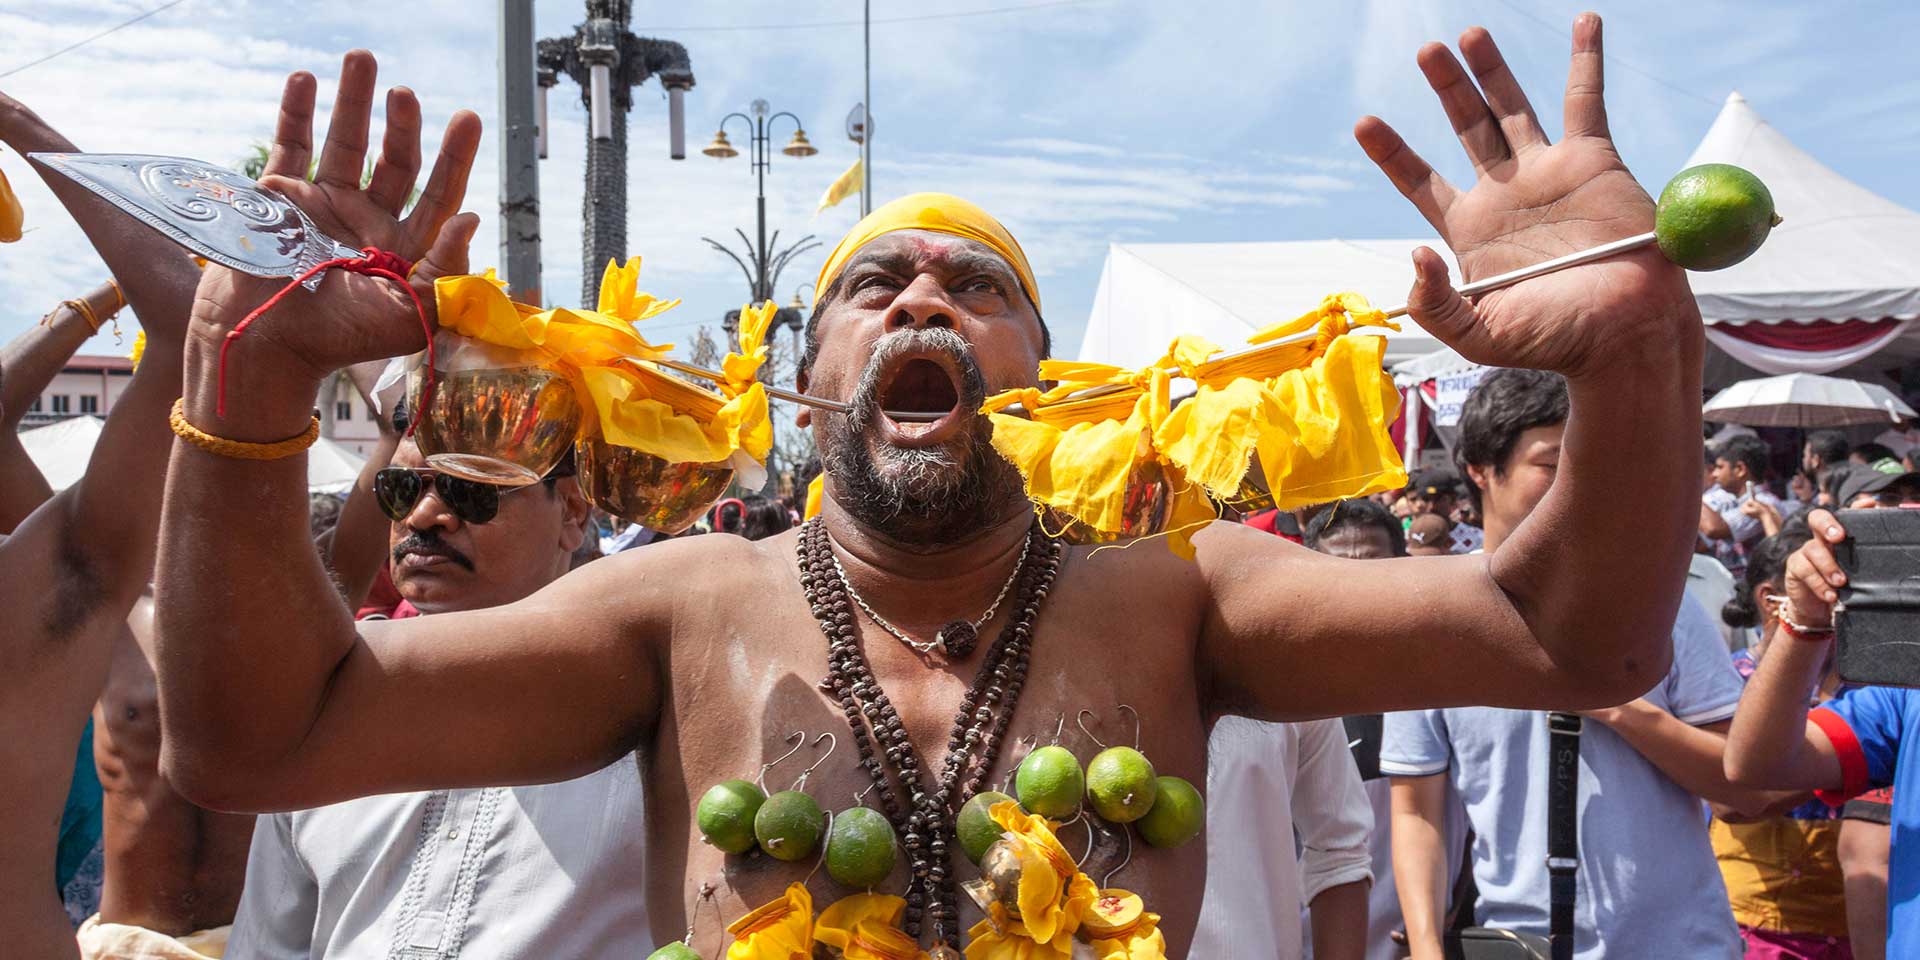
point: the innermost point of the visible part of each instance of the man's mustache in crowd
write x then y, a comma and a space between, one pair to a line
427, 543
865, 403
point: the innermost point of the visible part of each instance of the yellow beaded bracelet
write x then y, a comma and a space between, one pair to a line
239, 449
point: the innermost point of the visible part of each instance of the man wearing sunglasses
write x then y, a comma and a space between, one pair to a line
521, 869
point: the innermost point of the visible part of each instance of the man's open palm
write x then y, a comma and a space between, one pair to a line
352, 317
1533, 201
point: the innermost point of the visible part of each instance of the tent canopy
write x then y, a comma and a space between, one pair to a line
1150, 293
62, 449
1836, 283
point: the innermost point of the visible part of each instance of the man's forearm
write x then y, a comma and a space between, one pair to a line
241, 523
1770, 744
1420, 861
359, 543
36, 356
1693, 757
1339, 918
1632, 437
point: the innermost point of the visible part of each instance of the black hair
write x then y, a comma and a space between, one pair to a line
1766, 564
1872, 453
1741, 448
1829, 445
757, 518
1505, 404
1357, 514
824, 300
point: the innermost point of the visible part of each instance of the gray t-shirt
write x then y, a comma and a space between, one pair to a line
1648, 884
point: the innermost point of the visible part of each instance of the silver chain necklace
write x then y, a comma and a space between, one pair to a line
958, 636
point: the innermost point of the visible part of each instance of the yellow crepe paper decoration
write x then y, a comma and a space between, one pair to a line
637, 405
816, 492
1136, 935
139, 348
12, 217
1076, 456
781, 930
866, 926
1314, 415
1054, 896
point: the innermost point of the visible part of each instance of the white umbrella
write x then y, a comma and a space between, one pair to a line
1806, 400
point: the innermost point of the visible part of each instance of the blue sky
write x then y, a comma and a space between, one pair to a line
1079, 124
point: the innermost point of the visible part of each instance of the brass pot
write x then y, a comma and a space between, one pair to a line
1144, 514
999, 880
502, 425
648, 490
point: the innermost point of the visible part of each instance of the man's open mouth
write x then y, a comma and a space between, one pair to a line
920, 398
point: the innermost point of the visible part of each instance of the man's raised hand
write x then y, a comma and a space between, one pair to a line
1533, 200
352, 317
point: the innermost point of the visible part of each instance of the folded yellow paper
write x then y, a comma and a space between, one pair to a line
1314, 416
781, 930
866, 926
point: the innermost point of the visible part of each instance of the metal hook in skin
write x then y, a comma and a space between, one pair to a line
1026, 745
860, 799
832, 743
1079, 721
1087, 822
1107, 880
1136, 724
796, 738
1057, 728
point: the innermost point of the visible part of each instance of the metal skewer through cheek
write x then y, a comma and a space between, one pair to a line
1474, 289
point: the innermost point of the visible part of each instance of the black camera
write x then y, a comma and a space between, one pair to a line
1877, 621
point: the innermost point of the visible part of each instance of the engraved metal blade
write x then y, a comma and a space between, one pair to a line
217, 213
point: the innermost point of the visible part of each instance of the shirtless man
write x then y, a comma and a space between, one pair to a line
71, 571
703, 655
171, 868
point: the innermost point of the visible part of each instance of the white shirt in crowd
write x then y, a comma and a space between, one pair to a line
1267, 783
554, 870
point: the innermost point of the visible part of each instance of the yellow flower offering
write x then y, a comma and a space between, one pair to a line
1312, 415
1052, 895
11, 215
866, 926
1119, 927
781, 930
636, 404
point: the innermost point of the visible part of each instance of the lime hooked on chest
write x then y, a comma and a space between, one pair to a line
725, 815
1178, 814
860, 848
975, 824
788, 825
1049, 783
1713, 216
677, 950
1121, 785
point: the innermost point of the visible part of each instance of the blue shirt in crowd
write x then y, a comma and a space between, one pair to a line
1865, 724
1648, 885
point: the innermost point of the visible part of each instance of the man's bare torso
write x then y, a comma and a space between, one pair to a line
171, 867
1119, 627
52, 656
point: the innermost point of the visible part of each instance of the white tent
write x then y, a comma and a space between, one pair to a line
1836, 283
1150, 293
62, 449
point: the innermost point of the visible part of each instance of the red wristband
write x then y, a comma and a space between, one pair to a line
1804, 634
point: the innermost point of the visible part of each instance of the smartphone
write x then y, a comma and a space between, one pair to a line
1877, 621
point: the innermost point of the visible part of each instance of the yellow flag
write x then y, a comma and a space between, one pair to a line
842, 188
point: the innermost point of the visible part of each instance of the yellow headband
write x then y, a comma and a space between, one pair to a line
940, 213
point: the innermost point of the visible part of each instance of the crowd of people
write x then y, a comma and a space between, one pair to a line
440, 718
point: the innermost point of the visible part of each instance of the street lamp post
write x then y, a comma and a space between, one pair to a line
761, 265
608, 61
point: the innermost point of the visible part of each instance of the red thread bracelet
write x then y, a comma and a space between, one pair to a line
372, 261
1804, 634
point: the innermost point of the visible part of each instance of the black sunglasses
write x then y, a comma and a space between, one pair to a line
399, 489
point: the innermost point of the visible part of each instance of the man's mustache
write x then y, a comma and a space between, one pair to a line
972, 386
426, 543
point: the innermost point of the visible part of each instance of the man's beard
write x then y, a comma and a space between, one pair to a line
922, 496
